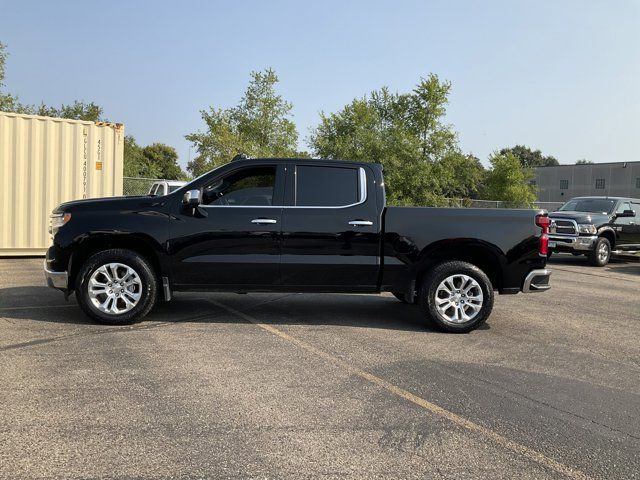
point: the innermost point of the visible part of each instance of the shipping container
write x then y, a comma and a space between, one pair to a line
45, 161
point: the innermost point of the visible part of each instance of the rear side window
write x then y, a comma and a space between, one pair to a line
326, 186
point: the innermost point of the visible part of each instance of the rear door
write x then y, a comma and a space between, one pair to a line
330, 228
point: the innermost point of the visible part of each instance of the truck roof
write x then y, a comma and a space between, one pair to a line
607, 197
250, 161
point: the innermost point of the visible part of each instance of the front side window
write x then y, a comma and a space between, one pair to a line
327, 186
249, 187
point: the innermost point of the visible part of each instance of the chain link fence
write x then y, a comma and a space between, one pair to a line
470, 203
137, 186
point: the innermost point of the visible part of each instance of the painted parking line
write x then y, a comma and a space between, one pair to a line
459, 420
8, 309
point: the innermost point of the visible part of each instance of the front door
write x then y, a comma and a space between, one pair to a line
628, 228
232, 240
330, 229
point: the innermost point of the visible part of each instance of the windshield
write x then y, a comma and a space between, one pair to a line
591, 205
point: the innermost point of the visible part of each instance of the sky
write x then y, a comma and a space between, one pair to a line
559, 76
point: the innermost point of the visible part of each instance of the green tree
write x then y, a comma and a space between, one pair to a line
135, 162
78, 110
165, 159
407, 135
8, 102
461, 176
508, 181
259, 125
584, 162
530, 158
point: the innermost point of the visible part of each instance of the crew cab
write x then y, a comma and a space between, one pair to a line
594, 226
295, 225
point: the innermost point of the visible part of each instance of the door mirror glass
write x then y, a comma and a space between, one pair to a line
191, 198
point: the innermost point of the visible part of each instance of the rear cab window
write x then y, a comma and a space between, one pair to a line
328, 186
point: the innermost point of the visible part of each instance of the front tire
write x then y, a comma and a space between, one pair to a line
456, 297
601, 253
116, 287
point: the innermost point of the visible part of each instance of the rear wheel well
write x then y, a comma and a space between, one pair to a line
609, 235
481, 257
92, 246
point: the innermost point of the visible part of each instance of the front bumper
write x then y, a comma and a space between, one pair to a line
571, 244
537, 281
59, 280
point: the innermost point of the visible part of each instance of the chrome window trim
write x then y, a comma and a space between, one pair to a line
362, 178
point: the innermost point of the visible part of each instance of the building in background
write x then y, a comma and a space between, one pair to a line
562, 182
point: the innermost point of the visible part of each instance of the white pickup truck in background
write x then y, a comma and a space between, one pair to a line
164, 187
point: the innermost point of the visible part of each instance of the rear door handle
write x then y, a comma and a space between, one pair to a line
264, 221
361, 223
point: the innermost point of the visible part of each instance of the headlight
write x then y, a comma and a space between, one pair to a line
584, 228
56, 220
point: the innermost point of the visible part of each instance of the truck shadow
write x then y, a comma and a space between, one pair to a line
616, 265
347, 310
41, 304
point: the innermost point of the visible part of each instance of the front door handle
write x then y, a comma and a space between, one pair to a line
264, 221
361, 223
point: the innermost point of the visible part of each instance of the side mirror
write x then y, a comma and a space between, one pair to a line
191, 198
626, 213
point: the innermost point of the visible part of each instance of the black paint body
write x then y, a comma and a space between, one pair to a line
213, 248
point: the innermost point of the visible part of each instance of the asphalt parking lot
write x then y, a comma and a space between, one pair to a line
297, 385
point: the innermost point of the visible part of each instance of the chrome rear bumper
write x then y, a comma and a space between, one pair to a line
57, 280
537, 281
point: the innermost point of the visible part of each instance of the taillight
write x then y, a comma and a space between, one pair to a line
543, 221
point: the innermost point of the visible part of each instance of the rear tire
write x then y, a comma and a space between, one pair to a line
456, 297
116, 287
601, 253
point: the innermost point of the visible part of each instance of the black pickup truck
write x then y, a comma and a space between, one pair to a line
293, 225
594, 226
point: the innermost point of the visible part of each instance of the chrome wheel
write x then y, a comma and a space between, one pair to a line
114, 288
603, 252
459, 298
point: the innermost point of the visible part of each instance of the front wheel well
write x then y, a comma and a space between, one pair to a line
91, 246
609, 235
